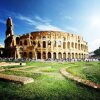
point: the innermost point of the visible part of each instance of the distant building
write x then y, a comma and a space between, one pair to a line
91, 54
44, 45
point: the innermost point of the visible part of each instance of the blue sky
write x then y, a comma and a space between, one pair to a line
75, 16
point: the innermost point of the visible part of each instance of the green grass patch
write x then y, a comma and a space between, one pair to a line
51, 86
86, 70
8, 67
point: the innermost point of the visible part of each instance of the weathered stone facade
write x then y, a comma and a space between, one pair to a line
44, 45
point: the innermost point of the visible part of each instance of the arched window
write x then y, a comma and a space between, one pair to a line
24, 55
76, 55
25, 42
76, 45
44, 55
79, 46
64, 45
64, 55
54, 55
20, 42
30, 55
73, 55
39, 44
64, 39
49, 42
34, 43
49, 55
44, 44
69, 55
68, 45
59, 43
44, 38
79, 55
38, 55
59, 55
72, 45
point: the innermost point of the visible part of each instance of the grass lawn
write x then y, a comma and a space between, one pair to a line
48, 83
86, 70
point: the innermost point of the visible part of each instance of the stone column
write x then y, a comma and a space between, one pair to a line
51, 55
56, 55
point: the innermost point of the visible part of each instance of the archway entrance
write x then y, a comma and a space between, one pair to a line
59, 55
38, 55
54, 55
49, 55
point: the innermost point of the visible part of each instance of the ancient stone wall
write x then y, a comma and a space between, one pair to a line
51, 44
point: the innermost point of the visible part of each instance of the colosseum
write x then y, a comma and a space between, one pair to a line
44, 45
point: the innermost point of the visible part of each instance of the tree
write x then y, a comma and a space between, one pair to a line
97, 52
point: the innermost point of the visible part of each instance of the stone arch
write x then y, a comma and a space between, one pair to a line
81, 47
44, 55
59, 43
44, 38
25, 55
72, 45
21, 43
64, 45
54, 55
59, 55
82, 55
69, 55
72, 55
30, 55
49, 54
79, 56
49, 42
64, 39
68, 45
64, 55
34, 43
38, 55
76, 55
44, 44
25, 42
39, 45
76, 45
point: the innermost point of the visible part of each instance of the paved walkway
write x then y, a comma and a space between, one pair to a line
78, 79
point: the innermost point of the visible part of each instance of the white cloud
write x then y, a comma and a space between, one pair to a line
27, 19
95, 44
48, 27
42, 20
2, 21
39, 23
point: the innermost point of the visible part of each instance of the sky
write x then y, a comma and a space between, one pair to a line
75, 16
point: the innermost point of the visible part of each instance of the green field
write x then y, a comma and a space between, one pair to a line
49, 84
89, 70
